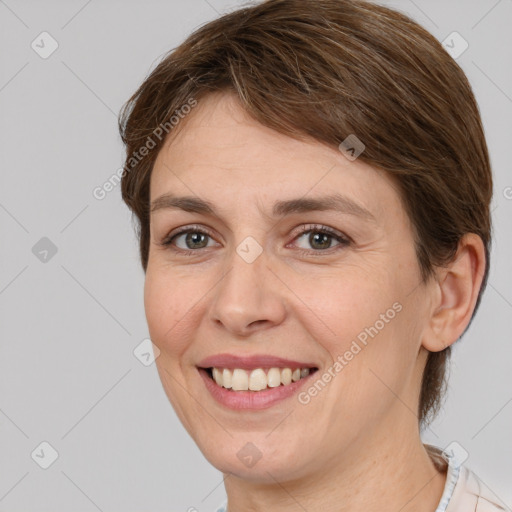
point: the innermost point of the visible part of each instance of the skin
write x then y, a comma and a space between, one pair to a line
356, 445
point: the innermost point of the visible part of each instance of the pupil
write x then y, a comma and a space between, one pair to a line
195, 239
320, 239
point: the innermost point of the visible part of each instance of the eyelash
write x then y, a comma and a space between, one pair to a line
315, 228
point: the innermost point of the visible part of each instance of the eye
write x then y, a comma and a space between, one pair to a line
311, 239
320, 238
188, 239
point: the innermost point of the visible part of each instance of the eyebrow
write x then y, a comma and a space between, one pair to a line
334, 202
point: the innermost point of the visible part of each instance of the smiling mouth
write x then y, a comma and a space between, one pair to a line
258, 379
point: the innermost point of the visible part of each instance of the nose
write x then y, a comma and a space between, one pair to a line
249, 297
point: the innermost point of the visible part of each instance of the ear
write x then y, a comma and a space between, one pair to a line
454, 294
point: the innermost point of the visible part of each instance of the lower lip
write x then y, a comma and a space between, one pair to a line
251, 399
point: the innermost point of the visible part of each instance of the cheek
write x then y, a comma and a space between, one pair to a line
169, 305
363, 323
343, 303
376, 351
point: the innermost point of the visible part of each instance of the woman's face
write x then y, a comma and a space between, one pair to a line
267, 271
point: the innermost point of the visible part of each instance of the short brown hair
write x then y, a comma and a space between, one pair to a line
325, 69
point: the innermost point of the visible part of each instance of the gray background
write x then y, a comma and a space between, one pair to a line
69, 325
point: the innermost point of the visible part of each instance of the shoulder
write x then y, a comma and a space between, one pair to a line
471, 494
464, 491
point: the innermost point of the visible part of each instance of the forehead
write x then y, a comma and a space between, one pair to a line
220, 152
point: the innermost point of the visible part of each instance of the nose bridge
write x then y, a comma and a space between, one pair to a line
248, 294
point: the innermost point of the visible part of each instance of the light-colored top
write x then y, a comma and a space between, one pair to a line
463, 491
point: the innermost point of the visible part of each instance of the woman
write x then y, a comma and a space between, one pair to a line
312, 187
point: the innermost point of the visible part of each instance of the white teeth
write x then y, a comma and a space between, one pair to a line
257, 379
274, 378
239, 381
226, 378
217, 375
286, 376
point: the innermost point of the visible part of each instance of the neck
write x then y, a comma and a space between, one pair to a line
389, 471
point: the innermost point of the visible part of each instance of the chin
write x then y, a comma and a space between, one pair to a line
258, 464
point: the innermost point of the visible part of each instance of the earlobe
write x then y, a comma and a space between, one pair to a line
455, 292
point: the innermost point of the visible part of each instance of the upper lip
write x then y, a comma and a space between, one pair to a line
251, 362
